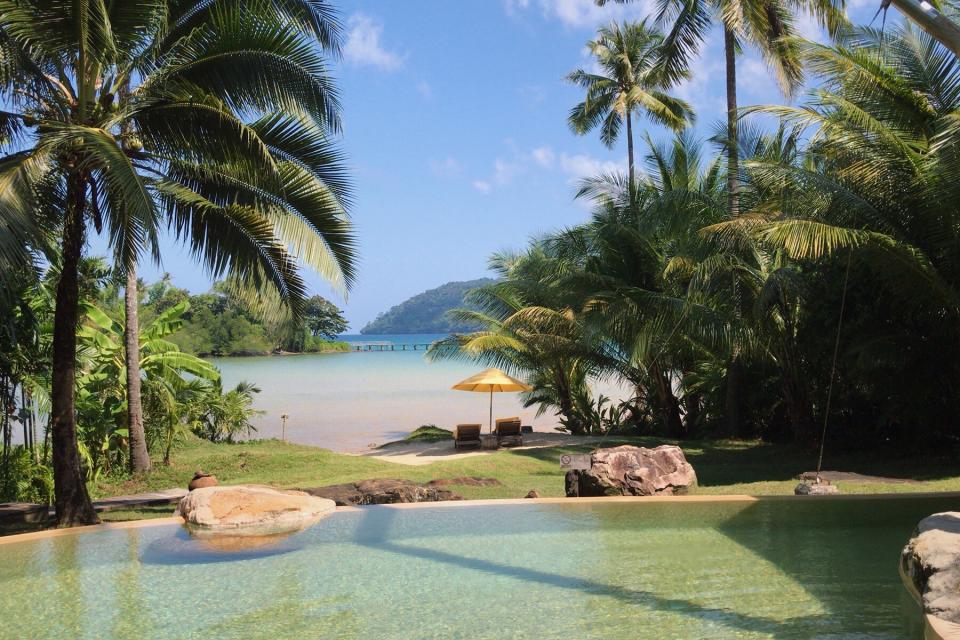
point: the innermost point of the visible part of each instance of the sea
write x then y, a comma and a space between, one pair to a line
352, 401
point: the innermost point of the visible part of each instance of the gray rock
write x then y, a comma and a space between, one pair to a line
633, 471
931, 560
382, 491
814, 489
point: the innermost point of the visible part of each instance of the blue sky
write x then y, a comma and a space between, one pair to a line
455, 129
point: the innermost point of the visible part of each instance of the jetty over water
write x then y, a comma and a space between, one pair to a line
389, 346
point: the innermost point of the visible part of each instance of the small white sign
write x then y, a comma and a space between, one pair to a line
575, 461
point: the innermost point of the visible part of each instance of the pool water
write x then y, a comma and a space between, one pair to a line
768, 569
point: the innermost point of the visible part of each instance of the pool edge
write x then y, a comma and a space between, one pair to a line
696, 498
55, 533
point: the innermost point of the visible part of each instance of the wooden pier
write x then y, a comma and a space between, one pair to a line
389, 346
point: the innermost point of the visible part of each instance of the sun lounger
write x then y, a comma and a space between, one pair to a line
508, 430
466, 435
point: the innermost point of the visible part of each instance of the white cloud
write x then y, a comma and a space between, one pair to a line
504, 171
543, 156
573, 166
445, 168
363, 46
582, 13
425, 89
584, 166
532, 94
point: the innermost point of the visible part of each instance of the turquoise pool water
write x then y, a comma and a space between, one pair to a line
817, 569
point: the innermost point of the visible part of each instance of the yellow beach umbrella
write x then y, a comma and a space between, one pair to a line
492, 381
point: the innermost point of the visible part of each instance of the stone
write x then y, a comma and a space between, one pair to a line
465, 481
382, 491
201, 480
533, 493
251, 510
633, 471
816, 489
931, 561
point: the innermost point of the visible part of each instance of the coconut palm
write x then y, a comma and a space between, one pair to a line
210, 116
766, 24
629, 80
527, 328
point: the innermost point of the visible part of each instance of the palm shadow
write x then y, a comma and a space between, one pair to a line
372, 532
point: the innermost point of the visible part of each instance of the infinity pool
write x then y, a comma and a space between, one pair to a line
769, 569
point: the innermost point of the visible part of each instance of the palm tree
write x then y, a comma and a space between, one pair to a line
629, 80
878, 184
769, 26
526, 327
213, 116
766, 24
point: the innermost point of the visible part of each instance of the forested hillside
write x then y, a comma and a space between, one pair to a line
426, 312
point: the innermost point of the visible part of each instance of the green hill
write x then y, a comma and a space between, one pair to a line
426, 312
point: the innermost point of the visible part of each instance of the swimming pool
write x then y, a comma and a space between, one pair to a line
647, 569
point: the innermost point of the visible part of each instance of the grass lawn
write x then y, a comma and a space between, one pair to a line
723, 467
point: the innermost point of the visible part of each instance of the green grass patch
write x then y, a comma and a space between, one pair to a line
722, 466
426, 433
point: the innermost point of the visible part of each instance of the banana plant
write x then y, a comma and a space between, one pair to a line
101, 388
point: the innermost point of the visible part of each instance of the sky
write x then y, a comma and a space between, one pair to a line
456, 135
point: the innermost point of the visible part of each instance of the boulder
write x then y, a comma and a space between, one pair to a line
201, 480
633, 471
465, 481
382, 491
931, 561
816, 489
251, 510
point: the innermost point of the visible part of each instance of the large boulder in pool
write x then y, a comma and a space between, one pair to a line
633, 471
931, 561
383, 491
251, 509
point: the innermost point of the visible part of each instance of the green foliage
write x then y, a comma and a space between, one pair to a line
225, 322
23, 478
427, 312
424, 433
848, 208
219, 416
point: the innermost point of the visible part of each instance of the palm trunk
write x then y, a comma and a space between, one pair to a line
732, 397
669, 403
139, 457
733, 159
732, 400
71, 501
630, 152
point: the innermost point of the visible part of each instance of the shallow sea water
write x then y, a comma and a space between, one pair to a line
817, 569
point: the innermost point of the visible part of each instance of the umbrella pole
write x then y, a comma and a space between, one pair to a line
491, 411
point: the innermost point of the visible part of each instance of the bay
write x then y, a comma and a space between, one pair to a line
349, 401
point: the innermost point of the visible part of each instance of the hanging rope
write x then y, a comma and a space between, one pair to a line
884, 6
833, 366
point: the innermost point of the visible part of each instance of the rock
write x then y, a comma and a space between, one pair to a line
633, 471
201, 480
815, 489
251, 509
931, 560
382, 491
532, 494
465, 481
